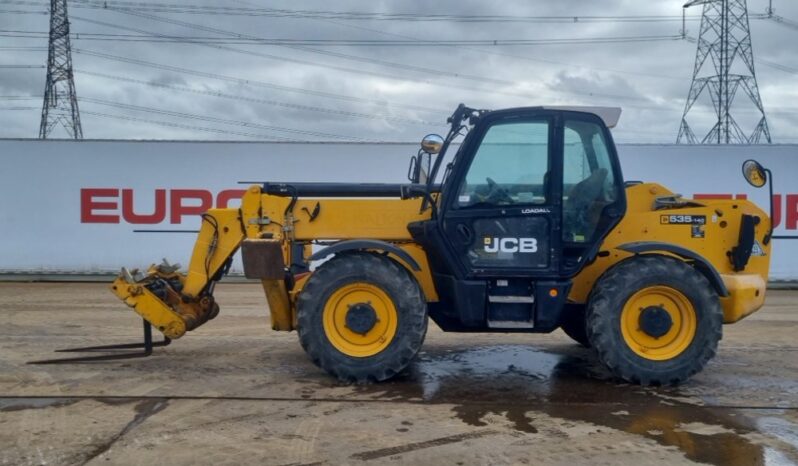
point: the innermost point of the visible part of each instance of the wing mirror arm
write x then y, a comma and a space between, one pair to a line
413, 191
770, 186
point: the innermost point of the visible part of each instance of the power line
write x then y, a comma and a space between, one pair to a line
320, 51
783, 21
337, 112
778, 66
425, 70
191, 127
24, 12
568, 18
245, 124
358, 71
256, 100
403, 66
160, 38
267, 137
213, 76
500, 54
354, 15
410, 67
251, 82
22, 49
24, 67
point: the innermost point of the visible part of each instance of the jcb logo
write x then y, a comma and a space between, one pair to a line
522, 245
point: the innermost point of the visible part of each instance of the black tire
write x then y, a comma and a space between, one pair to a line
394, 280
574, 323
611, 294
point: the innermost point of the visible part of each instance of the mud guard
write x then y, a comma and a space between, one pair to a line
365, 244
701, 264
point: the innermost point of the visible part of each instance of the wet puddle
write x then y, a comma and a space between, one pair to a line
21, 404
519, 382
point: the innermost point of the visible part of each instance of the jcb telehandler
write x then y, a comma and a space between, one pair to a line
529, 227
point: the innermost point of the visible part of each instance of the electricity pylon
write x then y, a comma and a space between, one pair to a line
60, 100
724, 46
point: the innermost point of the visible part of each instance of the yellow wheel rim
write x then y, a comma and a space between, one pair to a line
675, 340
367, 342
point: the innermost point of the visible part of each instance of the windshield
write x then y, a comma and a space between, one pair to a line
510, 166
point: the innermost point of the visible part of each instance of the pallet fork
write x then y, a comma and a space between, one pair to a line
147, 346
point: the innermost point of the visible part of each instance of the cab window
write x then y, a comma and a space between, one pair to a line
588, 180
510, 167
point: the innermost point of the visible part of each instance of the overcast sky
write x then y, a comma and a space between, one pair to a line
379, 92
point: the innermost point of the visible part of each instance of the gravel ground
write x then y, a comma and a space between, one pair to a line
235, 392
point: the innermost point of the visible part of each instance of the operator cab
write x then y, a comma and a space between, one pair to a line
523, 206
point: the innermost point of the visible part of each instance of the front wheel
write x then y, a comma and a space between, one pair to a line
654, 320
361, 317
574, 325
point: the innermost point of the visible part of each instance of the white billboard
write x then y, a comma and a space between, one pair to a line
94, 206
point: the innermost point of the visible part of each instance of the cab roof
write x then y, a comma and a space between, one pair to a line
610, 115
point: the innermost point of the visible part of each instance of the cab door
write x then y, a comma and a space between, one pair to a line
502, 218
533, 194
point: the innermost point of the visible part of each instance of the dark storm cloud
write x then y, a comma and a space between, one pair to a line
387, 94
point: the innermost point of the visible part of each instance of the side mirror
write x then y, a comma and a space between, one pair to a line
418, 171
424, 161
432, 144
755, 174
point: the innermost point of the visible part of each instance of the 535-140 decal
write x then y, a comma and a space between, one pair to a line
697, 223
683, 219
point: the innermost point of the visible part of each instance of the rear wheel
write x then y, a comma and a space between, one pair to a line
654, 320
361, 317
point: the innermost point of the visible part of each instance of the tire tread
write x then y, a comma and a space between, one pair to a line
400, 285
606, 302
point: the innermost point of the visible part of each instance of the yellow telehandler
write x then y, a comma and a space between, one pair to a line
528, 227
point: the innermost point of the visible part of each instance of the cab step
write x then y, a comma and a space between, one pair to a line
512, 299
510, 324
